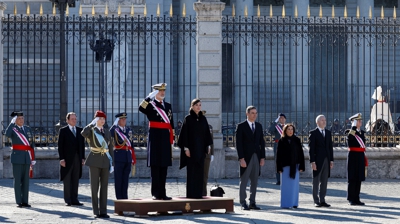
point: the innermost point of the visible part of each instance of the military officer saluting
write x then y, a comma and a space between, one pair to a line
22, 157
99, 161
356, 160
124, 155
276, 130
160, 139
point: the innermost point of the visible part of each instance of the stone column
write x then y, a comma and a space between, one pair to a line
3, 7
361, 68
243, 68
209, 73
299, 68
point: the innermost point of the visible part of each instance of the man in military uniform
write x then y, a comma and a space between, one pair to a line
160, 139
124, 155
99, 161
356, 160
22, 157
276, 130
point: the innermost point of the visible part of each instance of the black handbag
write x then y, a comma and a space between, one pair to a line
217, 191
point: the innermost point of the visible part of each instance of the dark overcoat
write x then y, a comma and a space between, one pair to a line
159, 151
195, 135
355, 160
284, 154
68, 147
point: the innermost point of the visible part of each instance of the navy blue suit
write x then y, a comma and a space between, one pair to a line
122, 161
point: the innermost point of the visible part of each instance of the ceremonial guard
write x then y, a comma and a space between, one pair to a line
356, 160
124, 155
160, 139
99, 161
22, 157
276, 130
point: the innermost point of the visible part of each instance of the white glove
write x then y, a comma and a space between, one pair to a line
94, 121
116, 121
276, 121
33, 162
112, 169
14, 119
212, 158
152, 94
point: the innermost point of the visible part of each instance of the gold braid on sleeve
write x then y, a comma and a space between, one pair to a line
144, 104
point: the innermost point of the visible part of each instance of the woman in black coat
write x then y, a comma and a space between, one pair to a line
194, 141
289, 161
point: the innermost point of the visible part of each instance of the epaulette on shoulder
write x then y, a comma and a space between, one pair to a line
350, 132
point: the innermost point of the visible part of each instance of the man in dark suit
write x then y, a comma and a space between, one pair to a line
22, 157
250, 146
321, 159
71, 151
160, 139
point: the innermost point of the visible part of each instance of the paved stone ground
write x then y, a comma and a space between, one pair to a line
382, 198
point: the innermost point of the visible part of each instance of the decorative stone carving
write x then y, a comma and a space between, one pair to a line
116, 72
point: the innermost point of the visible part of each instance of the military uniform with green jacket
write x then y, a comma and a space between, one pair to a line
100, 165
22, 159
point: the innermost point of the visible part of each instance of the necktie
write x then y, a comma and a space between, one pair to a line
73, 131
252, 127
323, 133
22, 129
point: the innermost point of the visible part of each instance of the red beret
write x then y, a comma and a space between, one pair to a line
100, 113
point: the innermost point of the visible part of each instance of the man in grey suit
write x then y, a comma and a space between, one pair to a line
321, 159
99, 161
250, 146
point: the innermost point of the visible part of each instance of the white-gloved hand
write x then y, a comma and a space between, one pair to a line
152, 94
33, 162
14, 119
212, 158
276, 121
116, 121
94, 121
112, 169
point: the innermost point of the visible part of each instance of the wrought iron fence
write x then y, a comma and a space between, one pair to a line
147, 50
298, 66
307, 66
